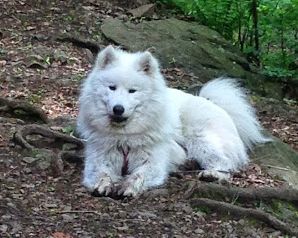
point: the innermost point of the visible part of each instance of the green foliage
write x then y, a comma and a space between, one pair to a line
68, 129
277, 29
276, 72
2, 51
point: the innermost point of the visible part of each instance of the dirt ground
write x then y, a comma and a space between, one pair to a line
36, 202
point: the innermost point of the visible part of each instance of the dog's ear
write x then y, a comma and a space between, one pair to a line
147, 63
105, 57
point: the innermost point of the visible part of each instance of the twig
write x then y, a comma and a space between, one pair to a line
78, 211
190, 191
277, 167
187, 172
180, 174
223, 207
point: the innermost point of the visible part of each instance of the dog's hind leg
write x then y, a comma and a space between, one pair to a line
217, 159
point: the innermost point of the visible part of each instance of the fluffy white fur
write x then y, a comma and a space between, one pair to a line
163, 126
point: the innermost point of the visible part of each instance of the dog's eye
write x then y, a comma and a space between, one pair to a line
132, 90
113, 88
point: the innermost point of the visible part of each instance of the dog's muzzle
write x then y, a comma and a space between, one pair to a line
118, 119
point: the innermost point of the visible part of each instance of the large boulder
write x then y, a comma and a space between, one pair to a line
193, 47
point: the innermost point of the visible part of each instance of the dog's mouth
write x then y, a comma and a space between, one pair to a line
118, 119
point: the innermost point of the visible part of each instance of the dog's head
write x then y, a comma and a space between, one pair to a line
125, 86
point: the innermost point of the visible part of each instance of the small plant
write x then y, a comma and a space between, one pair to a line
68, 129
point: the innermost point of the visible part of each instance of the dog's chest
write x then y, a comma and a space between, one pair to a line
131, 159
125, 152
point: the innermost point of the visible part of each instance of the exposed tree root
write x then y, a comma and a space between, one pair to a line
212, 190
22, 109
81, 43
240, 212
92, 46
33, 129
72, 156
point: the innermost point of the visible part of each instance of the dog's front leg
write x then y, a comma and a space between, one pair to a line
99, 173
152, 171
132, 185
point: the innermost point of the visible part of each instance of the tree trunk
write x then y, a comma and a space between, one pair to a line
226, 24
254, 13
282, 43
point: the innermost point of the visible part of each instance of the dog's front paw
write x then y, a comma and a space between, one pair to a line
214, 175
132, 186
104, 186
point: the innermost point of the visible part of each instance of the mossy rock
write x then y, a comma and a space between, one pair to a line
187, 44
279, 160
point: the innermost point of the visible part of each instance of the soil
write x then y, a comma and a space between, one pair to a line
38, 202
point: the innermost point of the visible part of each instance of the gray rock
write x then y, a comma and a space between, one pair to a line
45, 158
29, 160
279, 159
194, 47
199, 231
68, 218
143, 11
3, 228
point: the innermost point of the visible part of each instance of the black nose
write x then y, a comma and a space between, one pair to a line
118, 110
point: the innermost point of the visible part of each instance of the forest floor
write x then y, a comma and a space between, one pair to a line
36, 202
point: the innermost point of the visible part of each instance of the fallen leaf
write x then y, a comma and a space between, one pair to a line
30, 28
61, 235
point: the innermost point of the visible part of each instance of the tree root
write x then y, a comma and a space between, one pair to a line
71, 156
212, 190
12, 106
33, 129
92, 46
227, 208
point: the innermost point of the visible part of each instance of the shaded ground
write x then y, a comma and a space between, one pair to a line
36, 202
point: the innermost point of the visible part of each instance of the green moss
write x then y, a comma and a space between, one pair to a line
34, 98
282, 210
202, 209
253, 222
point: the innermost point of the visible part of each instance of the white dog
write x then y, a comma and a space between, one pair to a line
138, 130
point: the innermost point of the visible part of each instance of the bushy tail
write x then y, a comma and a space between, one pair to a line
227, 93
